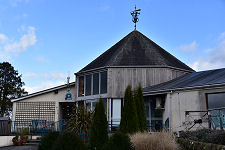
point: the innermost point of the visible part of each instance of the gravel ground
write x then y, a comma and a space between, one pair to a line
30, 147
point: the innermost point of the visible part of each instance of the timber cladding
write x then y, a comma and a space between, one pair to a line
120, 78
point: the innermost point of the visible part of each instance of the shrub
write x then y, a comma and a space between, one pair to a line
139, 101
99, 133
118, 141
129, 120
68, 141
80, 120
205, 135
48, 141
154, 141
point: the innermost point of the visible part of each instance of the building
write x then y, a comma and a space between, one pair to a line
174, 93
132, 61
186, 99
49, 105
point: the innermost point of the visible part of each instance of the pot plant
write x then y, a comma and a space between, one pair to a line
16, 141
24, 135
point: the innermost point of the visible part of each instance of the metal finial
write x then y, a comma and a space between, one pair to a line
135, 15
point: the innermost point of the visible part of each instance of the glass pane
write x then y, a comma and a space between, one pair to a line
216, 100
93, 105
81, 86
88, 85
104, 82
95, 83
116, 111
105, 104
88, 105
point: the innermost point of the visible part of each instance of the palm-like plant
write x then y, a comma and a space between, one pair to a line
80, 120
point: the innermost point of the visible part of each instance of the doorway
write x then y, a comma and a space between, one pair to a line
66, 109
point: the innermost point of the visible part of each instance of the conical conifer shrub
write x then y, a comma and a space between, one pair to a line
140, 106
99, 132
129, 120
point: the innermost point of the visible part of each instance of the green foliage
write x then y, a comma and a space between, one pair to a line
139, 101
118, 141
48, 141
10, 86
80, 120
99, 134
129, 119
68, 141
25, 131
205, 135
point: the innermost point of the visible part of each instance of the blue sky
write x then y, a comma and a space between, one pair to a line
45, 40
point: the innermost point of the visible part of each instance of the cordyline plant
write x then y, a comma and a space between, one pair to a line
80, 120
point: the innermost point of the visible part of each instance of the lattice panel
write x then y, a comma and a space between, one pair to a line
35, 111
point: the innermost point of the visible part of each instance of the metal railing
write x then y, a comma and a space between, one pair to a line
212, 119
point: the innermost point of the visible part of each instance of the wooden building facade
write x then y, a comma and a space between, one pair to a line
132, 61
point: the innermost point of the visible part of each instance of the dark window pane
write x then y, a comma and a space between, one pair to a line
81, 86
104, 82
95, 83
88, 85
105, 104
216, 100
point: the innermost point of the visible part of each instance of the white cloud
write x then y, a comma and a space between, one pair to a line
26, 40
3, 37
214, 60
15, 3
42, 59
10, 47
30, 75
189, 47
43, 86
48, 76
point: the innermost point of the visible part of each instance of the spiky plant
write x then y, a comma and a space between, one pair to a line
80, 120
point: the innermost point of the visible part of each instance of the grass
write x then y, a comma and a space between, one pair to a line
155, 141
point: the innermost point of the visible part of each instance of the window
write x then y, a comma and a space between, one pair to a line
216, 100
116, 111
95, 83
103, 82
88, 85
81, 86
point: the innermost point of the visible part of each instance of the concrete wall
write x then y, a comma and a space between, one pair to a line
177, 103
6, 141
120, 78
49, 97
192, 100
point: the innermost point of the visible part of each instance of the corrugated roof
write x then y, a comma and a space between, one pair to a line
136, 50
195, 79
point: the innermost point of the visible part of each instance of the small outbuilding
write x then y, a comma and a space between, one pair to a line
49, 105
188, 101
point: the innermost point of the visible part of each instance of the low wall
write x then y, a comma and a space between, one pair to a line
195, 145
6, 141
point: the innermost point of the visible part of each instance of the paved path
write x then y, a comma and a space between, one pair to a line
30, 147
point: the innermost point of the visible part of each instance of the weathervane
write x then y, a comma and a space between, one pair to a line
135, 15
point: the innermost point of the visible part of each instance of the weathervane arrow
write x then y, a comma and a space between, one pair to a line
135, 15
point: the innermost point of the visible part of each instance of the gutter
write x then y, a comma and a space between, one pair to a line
149, 66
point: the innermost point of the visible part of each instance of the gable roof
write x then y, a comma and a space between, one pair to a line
44, 91
192, 80
136, 49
